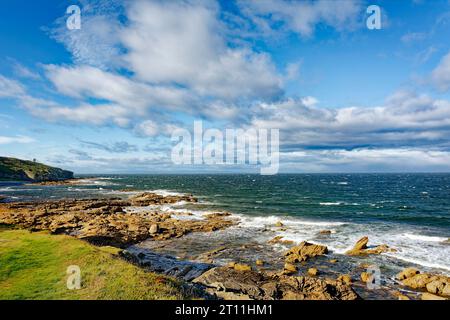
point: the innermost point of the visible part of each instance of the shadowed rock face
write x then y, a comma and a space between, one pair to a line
105, 221
228, 283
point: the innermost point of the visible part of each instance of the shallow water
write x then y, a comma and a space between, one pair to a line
409, 212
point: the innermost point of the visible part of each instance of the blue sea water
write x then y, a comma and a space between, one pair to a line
409, 212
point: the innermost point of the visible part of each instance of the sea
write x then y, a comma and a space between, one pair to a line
408, 212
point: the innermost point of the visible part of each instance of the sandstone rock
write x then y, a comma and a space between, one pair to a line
104, 222
279, 239
400, 296
290, 268
345, 278
333, 261
259, 262
279, 224
153, 229
242, 267
261, 286
407, 273
360, 248
436, 286
418, 281
366, 277
429, 296
304, 251
313, 272
361, 244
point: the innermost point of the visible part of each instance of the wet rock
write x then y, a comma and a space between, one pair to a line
279, 239
325, 232
242, 267
166, 264
279, 224
400, 296
360, 248
366, 277
260, 286
333, 261
259, 262
105, 222
304, 251
290, 268
345, 278
147, 199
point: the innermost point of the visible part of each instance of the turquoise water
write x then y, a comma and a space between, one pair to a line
410, 212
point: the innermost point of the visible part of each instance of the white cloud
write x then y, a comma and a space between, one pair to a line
405, 119
441, 74
23, 72
303, 17
367, 160
16, 139
183, 43
413, 37
89, 82
10, 88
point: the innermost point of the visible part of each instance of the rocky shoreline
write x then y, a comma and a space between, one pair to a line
124, 223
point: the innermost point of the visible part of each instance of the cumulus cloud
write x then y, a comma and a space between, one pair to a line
441, 74
96, 43
183, 43
406, 119
83, 82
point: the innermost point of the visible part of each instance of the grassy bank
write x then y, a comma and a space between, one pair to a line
33, 266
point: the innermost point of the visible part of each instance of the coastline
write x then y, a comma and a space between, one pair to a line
178, 226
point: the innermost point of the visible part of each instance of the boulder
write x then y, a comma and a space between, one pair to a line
242, 267
261, 286
407, 273
360, 248
304, 251
366, 277
313, 272
153, 229
345, 278
429, 296
290, 268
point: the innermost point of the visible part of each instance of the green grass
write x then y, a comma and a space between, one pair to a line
33, 266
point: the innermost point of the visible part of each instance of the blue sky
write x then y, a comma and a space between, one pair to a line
106, 98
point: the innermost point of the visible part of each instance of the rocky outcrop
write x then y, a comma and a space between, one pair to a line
360, 248
147, 199
22, 170
105, 221
433, 284
229, 283
304, 251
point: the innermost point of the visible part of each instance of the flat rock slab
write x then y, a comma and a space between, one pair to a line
166, 264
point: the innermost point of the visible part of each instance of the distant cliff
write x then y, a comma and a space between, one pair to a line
22, 170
